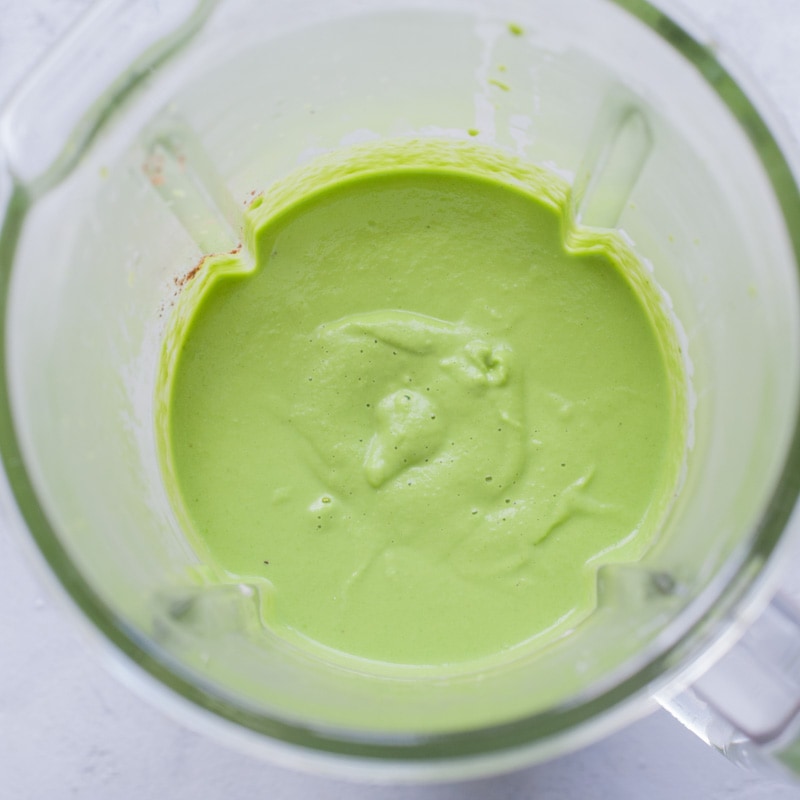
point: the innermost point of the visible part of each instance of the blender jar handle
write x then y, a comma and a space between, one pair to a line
747, 705
55, 113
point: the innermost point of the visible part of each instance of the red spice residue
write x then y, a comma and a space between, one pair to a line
153, 167
252, 196
182, 280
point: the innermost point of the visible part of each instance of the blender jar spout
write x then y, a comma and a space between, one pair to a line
57, 111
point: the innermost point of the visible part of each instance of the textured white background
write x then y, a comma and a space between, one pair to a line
69, 730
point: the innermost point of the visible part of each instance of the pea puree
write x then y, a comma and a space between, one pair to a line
425, 411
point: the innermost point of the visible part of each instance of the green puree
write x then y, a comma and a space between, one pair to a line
419, 422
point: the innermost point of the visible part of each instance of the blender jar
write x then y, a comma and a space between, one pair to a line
128, 156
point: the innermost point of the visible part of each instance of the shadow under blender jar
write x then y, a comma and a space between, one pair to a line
129, 155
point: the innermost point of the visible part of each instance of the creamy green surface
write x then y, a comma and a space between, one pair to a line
419, 422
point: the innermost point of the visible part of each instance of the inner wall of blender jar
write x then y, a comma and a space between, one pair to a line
99, 256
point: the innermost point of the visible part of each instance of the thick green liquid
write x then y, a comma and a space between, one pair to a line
421, 422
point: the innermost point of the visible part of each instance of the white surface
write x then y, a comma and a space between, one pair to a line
69, 730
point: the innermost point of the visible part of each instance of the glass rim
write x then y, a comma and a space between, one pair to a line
656, 662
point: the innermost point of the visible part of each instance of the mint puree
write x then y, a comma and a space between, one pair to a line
417, 420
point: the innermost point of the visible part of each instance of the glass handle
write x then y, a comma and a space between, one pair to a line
58, 109
747, 705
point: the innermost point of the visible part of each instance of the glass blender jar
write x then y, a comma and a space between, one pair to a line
127, 156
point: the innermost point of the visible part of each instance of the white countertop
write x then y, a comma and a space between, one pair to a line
68, 729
